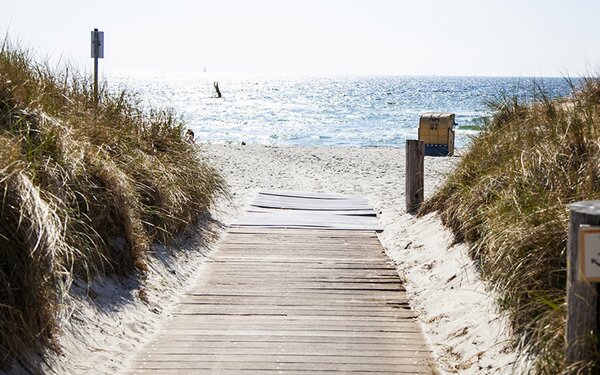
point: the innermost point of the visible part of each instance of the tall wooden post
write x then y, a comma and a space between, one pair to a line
415, 167
97, 53
96, 44
96, 80
582, 295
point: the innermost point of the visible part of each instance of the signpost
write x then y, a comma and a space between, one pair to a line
97, 53
583, 277
589, 254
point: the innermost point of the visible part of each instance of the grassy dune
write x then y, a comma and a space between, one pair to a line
85, 189
508, 198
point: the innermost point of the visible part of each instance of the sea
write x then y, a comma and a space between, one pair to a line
360, 111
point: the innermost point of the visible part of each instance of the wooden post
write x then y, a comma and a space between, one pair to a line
96, 53
582, 296
415, 166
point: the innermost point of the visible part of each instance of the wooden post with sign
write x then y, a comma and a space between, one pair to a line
97, 53
583, 278
414, 178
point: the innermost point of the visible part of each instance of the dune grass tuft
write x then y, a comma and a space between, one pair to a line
85, 190
508, 198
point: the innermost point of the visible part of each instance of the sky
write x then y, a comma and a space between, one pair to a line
419, 37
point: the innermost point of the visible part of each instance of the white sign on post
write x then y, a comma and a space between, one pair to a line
97, 44
589, 253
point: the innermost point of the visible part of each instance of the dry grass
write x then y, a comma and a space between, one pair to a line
508, 198
85, 190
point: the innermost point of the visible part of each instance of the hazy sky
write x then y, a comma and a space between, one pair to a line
419, 37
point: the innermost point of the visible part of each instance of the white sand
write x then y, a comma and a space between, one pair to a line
456, 312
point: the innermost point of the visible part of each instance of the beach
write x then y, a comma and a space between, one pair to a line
455, 310
239, 198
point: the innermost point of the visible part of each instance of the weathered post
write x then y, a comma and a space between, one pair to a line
583, 275
97, 53
415, 166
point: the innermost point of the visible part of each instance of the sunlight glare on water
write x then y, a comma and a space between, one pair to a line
365, 111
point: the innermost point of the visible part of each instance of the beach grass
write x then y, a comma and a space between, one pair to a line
508, 198
86, 188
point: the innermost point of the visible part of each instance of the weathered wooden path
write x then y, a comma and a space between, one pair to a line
300, 285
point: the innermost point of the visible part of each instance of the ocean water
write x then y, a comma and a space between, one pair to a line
364, 111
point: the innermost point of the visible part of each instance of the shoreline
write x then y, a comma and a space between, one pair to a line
209, 143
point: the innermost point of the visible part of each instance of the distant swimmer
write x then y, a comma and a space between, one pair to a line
217, 91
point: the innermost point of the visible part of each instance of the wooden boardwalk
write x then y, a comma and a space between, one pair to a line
292, 300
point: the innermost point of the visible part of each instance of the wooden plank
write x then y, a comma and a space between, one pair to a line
298, 325
303, 219
310, 197
397, 359
292, 234
299, 365
291, 302
192, 346
306, 194
283, 312
331, 299
283, 340
239, 371
368, 212
312, 204
279, 351
328, 214
292, 203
